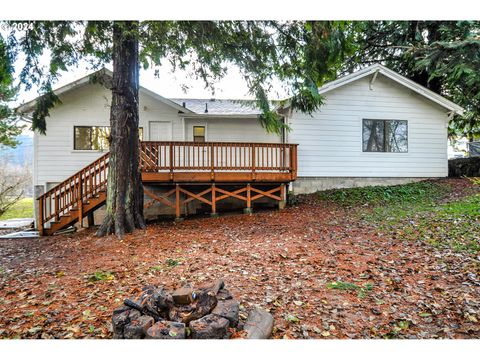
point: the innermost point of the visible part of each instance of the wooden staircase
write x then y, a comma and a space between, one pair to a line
73, 199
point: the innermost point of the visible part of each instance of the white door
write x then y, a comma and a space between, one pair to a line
160, 131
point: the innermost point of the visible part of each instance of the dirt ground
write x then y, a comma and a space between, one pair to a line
314, 266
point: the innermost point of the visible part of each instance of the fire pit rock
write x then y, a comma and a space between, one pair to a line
207, 312
228, 309
210, 327
166, 330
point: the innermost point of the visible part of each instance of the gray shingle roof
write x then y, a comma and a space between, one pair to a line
219, 107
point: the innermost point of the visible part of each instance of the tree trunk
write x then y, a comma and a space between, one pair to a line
124, 211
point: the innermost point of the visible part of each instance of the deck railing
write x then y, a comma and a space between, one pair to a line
158, 156
168, 156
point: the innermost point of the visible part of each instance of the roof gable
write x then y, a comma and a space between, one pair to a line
410, 84
30, 106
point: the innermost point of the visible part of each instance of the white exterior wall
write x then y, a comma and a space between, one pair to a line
330, 141
55, 159
54, 156
231, 130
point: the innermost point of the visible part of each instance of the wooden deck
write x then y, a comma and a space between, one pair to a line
178, 164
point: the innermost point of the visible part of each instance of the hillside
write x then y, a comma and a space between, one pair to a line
22, 154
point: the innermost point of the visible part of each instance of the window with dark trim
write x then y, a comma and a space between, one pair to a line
199, 133
385, 135
93, 137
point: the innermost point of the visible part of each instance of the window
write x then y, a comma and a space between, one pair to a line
199, 133
385, 135
94, 137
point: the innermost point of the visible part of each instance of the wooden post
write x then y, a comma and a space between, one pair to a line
80, 201
40, 216
248, 209
253, 162
212, 163
57, 205
214, 202
293, 161
282, 203
177, 202
171, 161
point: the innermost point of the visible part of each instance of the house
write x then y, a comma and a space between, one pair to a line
375, 127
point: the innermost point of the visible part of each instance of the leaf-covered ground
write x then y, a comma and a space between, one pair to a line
390, 264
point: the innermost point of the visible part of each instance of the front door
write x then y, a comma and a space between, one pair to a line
160, 131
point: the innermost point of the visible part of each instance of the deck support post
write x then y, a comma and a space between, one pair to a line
282, 203
248, 209
40, 216
214, 202
177, 203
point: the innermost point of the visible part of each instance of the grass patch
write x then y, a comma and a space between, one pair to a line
22, 209
346, 286
101, 276
156, 268
173, 262
455, 225
169, 263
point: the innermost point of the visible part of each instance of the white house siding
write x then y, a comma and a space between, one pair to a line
231, 130
55, 158
330, 141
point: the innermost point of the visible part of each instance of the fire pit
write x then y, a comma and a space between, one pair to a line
208, 312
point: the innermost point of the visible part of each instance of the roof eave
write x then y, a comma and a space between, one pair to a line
440, 100
28, 107
232, 116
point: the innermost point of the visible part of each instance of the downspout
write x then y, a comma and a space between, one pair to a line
375, 74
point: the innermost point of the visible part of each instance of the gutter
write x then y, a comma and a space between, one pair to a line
221, 116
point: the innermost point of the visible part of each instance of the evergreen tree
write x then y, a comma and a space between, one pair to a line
302, 55
9, 128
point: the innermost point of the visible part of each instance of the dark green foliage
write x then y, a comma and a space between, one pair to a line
44, 103
173, 262
9, 128
461, 167
456, 61
380, 195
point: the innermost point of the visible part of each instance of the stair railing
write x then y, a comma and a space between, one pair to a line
71, 193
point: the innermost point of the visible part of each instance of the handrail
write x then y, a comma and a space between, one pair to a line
79, 187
